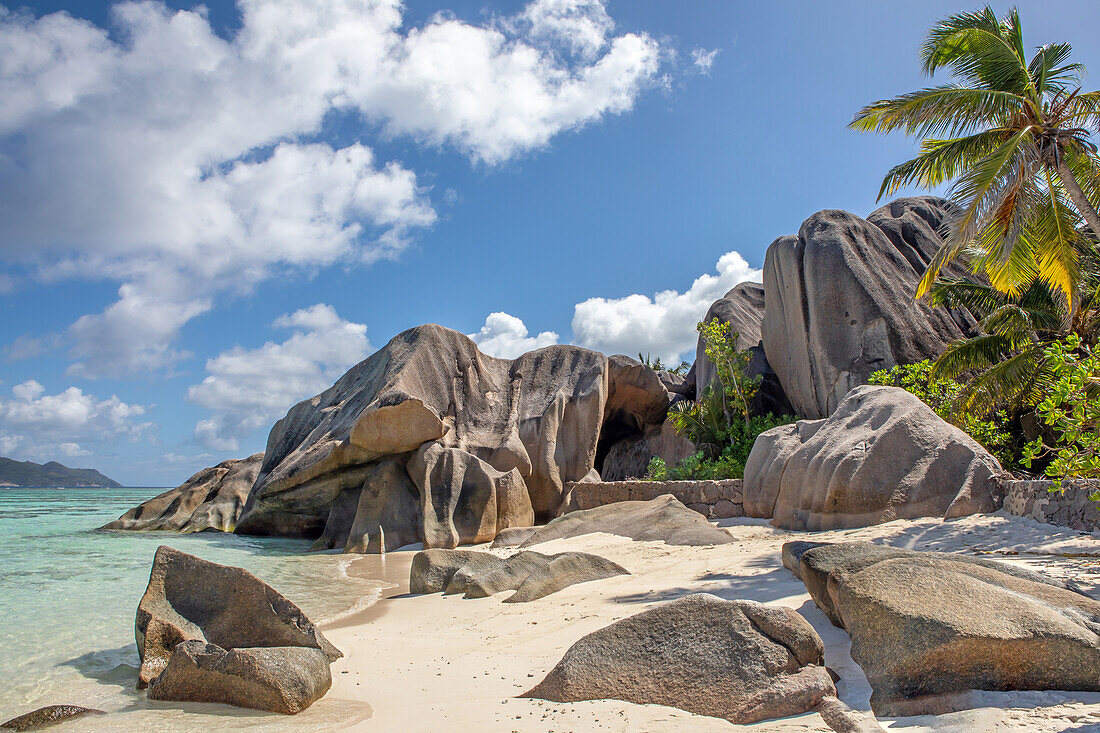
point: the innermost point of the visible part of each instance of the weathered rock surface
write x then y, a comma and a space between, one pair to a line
630, 457
191, 599
840, 301
661, 519
486, 443
882, 455
280, 679
743, 308
738, 660
925, 623
47, 716
532, 575
211, 499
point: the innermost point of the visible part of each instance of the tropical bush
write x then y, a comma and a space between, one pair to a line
942, 395
1071, 411
720, 423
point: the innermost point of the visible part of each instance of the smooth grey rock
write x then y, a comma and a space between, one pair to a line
661, 519
840, 301
279, 679
564, 570
192, 599
487, 443
737, 660
211, 499
513, 537
48, 716
432, 570
882, 455
925, 623
630, 457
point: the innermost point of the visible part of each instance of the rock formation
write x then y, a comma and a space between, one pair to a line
48, 716
211, 499
531, 575
743, 308
663, 519
738, 660
929, 624
191, 599
279, 679
840, 301
430, 440
882, 455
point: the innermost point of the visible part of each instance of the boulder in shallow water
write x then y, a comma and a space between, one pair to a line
212, 499
661, 519
928, 623
279, 679
191, 599
48, 716
738, 660
883, 455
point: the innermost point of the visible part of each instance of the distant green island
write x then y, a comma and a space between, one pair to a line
25, 474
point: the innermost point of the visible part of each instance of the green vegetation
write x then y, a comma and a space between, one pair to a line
50, 475
720, 423
942, 395
1071, 410
659, 366
1011, 135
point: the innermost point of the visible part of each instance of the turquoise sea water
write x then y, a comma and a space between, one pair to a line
68, 595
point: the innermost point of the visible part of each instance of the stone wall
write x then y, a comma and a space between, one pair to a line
1072, 508
713, 499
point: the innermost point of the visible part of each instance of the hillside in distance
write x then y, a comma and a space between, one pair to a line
26, 474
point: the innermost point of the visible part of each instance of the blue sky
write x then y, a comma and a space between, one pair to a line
208, 215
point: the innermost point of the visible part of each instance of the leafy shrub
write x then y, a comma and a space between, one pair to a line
1072, 411
942, 395
729, 463
720, 424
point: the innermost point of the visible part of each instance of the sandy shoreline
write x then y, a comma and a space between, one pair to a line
426, 663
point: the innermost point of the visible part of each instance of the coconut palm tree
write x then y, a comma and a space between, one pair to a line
1012, 136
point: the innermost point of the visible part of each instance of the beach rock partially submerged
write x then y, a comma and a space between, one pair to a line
927, 623
664, 519
532, 575
48, 716
279, 679
738, 660
211, 499
882, 455
191, 599
840, 301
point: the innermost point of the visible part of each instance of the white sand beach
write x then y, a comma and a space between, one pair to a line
433, 662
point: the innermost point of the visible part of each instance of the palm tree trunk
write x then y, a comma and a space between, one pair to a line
1083, 205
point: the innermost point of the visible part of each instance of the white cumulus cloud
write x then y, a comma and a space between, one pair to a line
247, 389
704, 59
36, 425
505, 336
661, 325
185, 166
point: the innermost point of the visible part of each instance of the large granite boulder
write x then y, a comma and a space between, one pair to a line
664, 519
738, 660
930, 624
485, 443
743, 308
532, 575
840, 301
882, 455
279, 679
211, 499
192, 599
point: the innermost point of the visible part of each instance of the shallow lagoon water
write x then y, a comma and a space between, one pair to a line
68, 594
